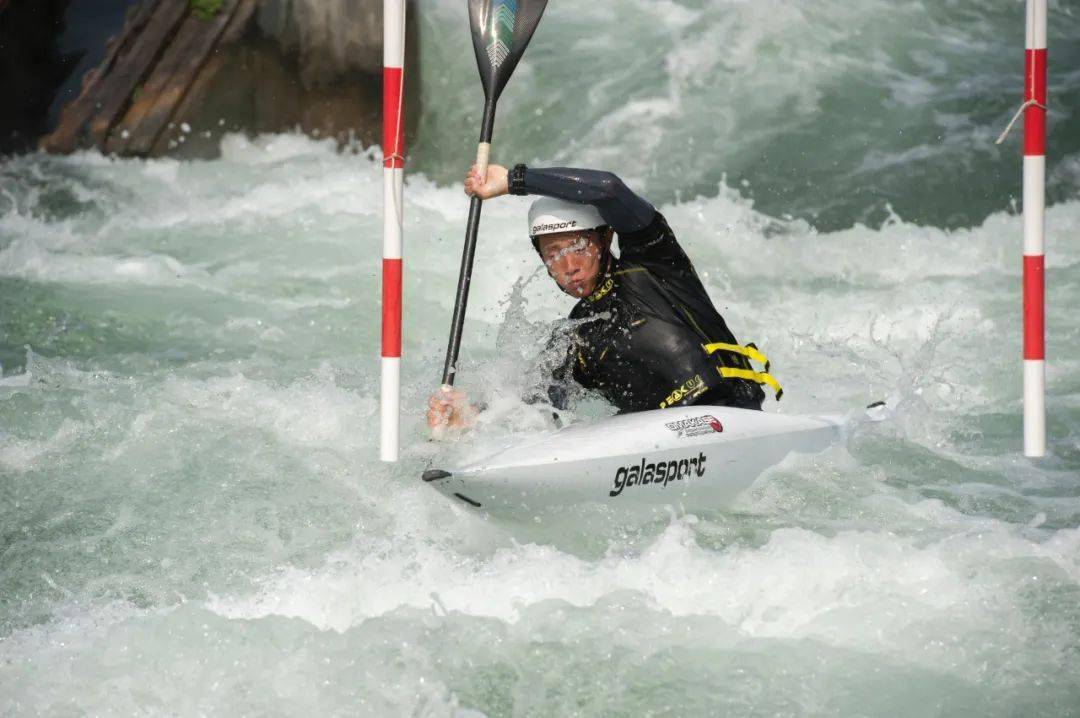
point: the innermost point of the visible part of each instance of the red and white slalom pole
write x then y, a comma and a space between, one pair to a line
393, 182
1034, 226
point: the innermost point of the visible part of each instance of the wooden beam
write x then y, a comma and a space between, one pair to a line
132, 69
77, 114
168, 84
197, 91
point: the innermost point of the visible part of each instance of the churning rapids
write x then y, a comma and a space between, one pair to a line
192, 516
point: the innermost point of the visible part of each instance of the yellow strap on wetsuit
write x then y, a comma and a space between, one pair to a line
756, 376
751, 352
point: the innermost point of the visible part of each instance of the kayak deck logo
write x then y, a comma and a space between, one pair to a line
696, 426
660, 472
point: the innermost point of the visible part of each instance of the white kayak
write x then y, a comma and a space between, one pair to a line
696, 457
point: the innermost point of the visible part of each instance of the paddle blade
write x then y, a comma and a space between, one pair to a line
501, 30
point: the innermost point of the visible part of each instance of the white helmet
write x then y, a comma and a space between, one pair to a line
548, 215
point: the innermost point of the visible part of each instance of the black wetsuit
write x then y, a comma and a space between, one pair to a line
651, 315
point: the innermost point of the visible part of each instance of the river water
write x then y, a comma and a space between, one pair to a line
193, 520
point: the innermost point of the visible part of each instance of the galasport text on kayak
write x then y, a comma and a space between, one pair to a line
660, 472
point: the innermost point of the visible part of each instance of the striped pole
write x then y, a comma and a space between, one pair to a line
393, 182
1034, 250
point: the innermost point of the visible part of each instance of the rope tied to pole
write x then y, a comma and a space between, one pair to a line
1008, 128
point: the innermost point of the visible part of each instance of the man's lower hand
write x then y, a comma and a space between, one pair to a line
449, 409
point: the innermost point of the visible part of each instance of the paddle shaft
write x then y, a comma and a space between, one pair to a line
483, 152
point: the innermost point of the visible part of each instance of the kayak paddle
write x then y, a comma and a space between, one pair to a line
501, 30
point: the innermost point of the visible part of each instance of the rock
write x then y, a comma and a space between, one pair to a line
330, 38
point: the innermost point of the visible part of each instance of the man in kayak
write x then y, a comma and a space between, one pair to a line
646, 334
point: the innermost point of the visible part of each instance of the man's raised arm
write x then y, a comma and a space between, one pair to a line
624, 211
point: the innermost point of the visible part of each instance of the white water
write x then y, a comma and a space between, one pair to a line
193, 520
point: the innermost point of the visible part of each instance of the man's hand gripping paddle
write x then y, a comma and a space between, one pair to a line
501, 30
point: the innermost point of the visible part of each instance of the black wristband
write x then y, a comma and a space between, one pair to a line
517, 180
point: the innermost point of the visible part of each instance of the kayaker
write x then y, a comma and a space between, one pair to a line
655, 339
